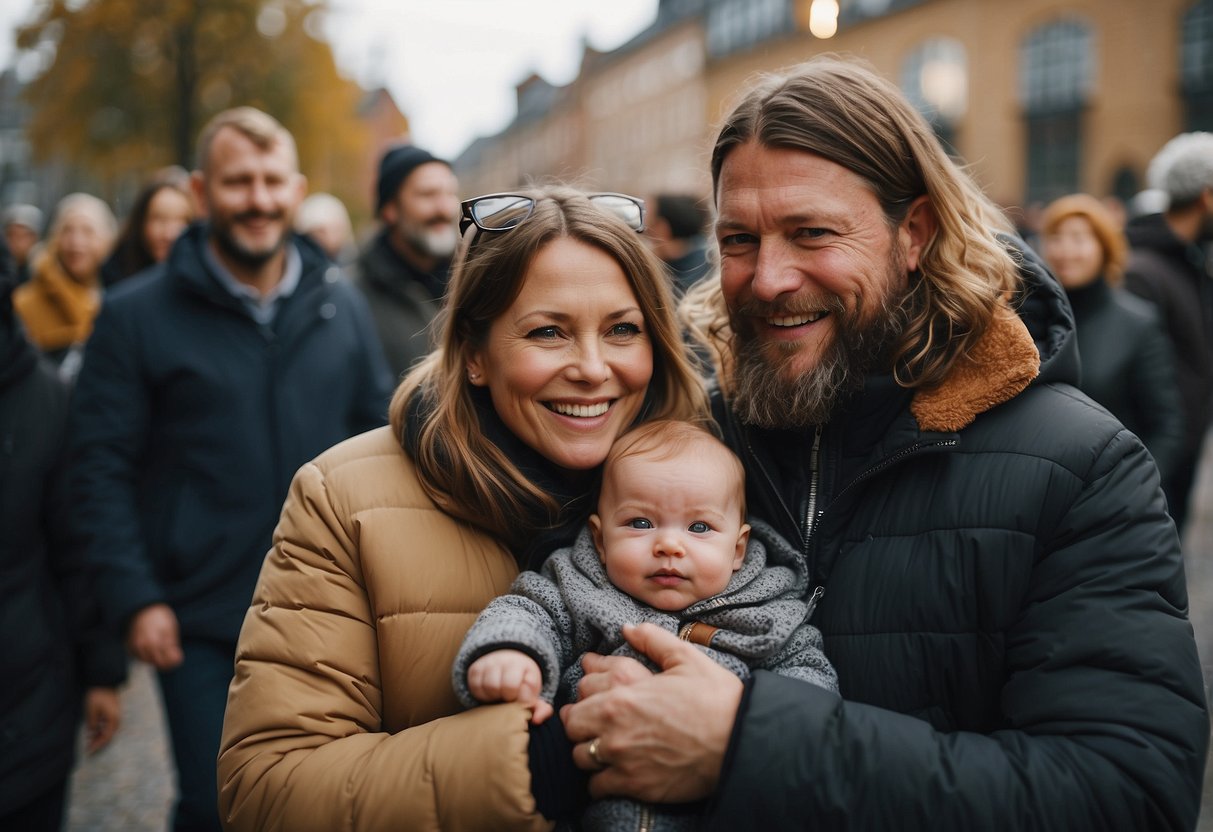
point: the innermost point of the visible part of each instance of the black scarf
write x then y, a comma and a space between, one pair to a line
1086, 299
539, 533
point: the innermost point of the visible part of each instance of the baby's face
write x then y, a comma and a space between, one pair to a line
670, 532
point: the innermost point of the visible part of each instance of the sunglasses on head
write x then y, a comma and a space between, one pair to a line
501, 212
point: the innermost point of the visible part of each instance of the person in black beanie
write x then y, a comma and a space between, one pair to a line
56, 654
403, 270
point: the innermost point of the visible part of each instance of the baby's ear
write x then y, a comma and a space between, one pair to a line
743, 538
596, 531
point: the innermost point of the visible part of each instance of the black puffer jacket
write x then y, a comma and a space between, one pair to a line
53, 644
1128, 367
1004, 603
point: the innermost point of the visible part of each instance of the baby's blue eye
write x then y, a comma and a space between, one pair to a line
699, 527
640, 523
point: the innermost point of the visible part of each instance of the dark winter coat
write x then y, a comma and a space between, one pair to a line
1171, 274
1004, 604
54, 646
189, 420
403, 301
1127, 366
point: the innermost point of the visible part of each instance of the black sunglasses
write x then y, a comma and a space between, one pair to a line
501, 212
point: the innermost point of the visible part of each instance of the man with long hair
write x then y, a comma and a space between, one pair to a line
1002, 591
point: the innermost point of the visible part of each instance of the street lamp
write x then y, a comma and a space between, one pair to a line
823, 18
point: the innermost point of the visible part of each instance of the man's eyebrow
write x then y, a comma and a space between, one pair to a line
804, 218
725, 222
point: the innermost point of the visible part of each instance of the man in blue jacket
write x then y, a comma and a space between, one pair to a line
1002, 592
207, 382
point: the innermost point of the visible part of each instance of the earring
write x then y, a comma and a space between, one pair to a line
473, 376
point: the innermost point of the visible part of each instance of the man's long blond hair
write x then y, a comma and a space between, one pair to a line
846, 113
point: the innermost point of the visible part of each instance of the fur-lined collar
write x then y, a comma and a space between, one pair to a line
1002, 363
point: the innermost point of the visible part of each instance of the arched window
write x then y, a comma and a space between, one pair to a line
1056, 71
1196, 65
935, 77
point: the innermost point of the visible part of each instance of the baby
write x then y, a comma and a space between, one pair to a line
669, 545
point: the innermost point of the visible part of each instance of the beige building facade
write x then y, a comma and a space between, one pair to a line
988, 61
644, 115
1037, 97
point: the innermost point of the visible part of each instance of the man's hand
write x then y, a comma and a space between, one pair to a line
102, 716
662, 738
601, 673
153, 638
509, 676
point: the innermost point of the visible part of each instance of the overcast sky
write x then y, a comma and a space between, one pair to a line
452, 65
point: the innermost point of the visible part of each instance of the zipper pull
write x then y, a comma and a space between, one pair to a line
818, 591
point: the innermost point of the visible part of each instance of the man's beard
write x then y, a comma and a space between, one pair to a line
433, 239
767, 398
237, 251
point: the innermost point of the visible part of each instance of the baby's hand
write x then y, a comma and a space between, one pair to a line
509, 676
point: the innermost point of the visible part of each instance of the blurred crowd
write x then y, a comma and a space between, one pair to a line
117, 437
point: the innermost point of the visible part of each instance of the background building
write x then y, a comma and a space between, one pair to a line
1039, 97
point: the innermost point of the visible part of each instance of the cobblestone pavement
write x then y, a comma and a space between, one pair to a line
128, 787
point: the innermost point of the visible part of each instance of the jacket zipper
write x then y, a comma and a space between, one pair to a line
893, 460
646, 818
810, 512
809, 524
712, 603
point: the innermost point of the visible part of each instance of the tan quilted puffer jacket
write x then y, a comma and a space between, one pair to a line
341, 715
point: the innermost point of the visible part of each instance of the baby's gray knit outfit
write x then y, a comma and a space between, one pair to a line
570, 607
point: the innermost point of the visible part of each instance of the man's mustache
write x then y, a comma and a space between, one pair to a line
801, 305
244, 216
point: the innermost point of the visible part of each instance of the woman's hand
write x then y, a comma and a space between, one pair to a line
661, 738
102, 716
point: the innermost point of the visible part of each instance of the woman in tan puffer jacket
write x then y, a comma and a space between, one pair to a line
557, 337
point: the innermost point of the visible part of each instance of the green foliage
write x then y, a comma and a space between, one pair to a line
132, 82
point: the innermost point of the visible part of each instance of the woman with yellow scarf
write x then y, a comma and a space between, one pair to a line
61, 299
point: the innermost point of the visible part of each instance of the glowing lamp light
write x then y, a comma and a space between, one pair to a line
945, 87
823, 18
